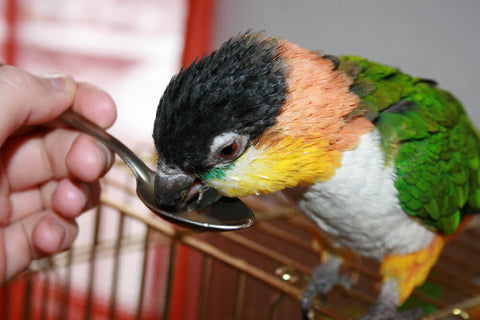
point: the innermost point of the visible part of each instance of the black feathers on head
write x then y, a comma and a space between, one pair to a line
240, 88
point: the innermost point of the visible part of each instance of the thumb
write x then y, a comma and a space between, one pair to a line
31, 100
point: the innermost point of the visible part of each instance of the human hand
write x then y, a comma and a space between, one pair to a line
48, 174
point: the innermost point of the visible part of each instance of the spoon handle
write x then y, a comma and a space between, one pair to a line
81, 123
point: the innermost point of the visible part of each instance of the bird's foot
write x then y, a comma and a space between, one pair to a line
386, 306
324, 277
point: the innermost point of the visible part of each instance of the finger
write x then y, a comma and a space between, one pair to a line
95, 104
70, 199
34, 159
29, 160
30, 100
38, 235
67, 198
28, 202
5, 205
88, 159
52, 234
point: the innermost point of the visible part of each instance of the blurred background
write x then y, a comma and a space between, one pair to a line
131, 49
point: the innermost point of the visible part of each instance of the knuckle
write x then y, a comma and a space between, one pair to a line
13, 78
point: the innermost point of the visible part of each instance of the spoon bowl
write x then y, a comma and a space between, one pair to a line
224, 215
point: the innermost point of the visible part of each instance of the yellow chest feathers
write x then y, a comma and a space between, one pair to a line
268, 167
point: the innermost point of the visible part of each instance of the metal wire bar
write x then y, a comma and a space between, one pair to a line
172, 261
204, 285
45, 286
261, 249
116, 267
28, 297
455, 309
274, 305
66, 286
91, 271
142, 276
239, 296
287, 236
6, 301
105, 248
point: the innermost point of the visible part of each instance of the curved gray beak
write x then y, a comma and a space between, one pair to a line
177, 190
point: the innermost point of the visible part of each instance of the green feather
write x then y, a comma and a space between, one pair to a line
363, 87
432, 209
427, 135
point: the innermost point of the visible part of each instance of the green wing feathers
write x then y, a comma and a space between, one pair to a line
427, 135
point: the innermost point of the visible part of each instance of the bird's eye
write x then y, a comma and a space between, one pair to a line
229, 151
226, 148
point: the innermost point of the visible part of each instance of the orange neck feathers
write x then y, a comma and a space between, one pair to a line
319, 100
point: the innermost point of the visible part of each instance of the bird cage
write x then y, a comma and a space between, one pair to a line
128, 265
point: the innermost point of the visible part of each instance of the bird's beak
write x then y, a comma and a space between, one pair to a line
177, 190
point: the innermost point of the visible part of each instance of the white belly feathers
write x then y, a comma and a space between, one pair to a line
358, 207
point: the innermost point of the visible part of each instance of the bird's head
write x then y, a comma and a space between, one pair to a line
258, 115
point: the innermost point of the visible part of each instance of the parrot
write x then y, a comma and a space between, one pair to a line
385, 164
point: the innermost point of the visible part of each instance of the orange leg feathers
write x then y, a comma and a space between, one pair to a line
410, 270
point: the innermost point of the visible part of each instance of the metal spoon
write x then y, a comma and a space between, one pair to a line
226, 214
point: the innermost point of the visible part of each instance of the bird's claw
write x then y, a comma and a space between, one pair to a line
324, 277
386, 306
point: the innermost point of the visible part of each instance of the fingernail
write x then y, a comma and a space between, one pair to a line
57, 81
59, 230
105, 154
54, 238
